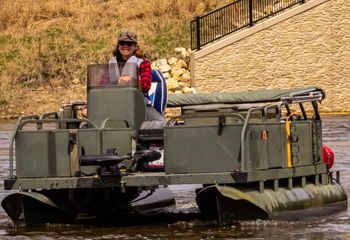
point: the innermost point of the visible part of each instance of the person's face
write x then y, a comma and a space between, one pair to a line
126, 49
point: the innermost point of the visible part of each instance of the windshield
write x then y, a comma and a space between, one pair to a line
113, 75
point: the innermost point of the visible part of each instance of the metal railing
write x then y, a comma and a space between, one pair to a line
39, 121
233, 17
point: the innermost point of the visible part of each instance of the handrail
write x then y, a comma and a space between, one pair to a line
23, 123
173, 119
300, 99
278, 114
311, 91
23, 120
211, 116
243, 133
46, 115
104, 123
14, 134
233, 17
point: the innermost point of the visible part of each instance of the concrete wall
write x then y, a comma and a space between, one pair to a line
308, 45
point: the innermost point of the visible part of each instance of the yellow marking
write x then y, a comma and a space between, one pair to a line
289, 147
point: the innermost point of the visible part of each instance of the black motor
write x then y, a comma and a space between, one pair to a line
111, 164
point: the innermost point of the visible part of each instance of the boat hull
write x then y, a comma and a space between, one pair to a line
229, 202
88, 206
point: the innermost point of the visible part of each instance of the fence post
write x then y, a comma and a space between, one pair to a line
198, 33
251, 13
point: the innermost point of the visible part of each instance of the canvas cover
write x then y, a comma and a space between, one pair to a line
257, 96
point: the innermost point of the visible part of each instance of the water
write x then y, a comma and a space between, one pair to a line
336, 133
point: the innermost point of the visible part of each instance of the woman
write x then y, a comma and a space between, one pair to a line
127, 51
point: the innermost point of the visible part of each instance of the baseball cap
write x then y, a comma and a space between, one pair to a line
127, 37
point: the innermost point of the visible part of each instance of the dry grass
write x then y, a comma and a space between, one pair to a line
50, 42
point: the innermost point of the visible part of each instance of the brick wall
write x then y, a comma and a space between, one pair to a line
308, 49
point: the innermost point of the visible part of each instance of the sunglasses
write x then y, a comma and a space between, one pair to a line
123, 43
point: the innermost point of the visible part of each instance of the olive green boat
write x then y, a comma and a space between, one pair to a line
257, 154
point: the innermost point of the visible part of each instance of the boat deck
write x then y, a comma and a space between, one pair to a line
161, 178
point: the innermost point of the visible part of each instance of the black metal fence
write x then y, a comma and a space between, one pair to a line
233, 17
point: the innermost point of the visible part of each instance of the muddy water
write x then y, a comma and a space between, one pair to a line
336, 132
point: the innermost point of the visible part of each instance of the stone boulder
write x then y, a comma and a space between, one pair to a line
173, 85
176, 71
172, 61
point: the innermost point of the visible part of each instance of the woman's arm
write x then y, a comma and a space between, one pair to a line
145, 76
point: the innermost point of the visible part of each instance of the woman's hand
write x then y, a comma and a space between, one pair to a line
124, 80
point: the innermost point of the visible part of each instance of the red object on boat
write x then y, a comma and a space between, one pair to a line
327, 156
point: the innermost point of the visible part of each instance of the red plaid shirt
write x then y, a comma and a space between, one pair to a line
145, 76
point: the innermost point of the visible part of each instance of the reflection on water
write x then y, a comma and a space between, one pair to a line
336, 133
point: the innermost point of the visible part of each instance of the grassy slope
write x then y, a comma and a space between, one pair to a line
44, 45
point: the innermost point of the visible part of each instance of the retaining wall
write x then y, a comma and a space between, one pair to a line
307, 45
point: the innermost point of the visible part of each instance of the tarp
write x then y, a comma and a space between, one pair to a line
257, 96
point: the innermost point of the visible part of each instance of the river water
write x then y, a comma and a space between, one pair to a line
336, 134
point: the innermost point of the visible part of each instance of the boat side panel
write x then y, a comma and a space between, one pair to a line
89, 144
125, 104
199, 149
42, 153
256, 147
301, 141
118, 139
317, 141
276, 146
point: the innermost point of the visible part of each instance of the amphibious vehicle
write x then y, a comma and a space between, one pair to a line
256, 154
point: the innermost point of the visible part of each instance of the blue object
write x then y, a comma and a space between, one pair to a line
158, 93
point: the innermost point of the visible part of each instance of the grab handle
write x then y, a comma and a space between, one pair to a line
14, 134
